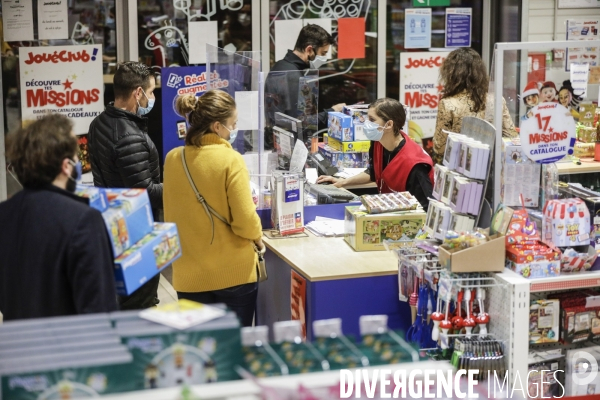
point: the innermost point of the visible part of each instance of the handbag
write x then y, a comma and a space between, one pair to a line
261, 268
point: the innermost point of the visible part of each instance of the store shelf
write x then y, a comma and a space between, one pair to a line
586, 167
566, 281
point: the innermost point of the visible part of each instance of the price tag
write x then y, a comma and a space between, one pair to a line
548, 134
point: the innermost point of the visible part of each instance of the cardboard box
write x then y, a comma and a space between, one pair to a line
287, 204
544, 321
366, 232
533, 264
339, 126
586, 134
147, 258
344, 160
349, 147
359, 113
487, 257
96, 196
566, 223
128, 218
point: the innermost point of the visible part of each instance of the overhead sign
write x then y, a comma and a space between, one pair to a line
430, 3
458, 27
549, 134
420, 89
62, 79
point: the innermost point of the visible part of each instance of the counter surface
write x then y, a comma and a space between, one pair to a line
586, 167
323, 258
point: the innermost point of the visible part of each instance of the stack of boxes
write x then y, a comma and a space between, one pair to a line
346, 144
141, 247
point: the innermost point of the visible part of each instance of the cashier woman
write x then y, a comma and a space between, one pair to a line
396, 163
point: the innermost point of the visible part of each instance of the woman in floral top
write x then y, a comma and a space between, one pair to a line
466, 82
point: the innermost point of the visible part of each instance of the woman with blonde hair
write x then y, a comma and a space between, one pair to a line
466, 83
218, 262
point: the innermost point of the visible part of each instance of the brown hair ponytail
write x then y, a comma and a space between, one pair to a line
212, 106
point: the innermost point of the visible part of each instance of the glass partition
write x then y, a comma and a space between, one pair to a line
528, 78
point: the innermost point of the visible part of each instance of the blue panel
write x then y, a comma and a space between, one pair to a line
350, 298
335, 211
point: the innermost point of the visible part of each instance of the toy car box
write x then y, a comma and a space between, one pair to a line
364, 232
344, 160
128, 217
147, 258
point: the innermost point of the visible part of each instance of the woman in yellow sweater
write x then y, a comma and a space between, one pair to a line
218, 263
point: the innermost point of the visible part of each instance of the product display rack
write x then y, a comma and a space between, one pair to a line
510, 315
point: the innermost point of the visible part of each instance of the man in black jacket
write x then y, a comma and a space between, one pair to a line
56, 258
281, 86
123, 155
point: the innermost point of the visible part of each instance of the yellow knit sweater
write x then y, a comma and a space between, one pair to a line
221, 176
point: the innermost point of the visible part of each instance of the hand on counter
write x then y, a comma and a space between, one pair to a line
339, 107
337, 182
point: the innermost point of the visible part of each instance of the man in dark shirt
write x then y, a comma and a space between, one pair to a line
56, 255
281, 85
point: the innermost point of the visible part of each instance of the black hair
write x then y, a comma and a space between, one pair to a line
313, 35
129, 76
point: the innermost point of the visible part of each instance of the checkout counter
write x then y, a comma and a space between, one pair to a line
339, 282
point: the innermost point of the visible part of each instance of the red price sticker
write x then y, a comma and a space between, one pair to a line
548, 134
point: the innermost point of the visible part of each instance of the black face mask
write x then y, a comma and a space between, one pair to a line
72, 182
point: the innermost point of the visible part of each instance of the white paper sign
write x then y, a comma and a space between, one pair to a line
17, 20
201, 33
420, 89
63, 79
53, 19
549, 134
579, 78
247, 107
286, 34
299, 157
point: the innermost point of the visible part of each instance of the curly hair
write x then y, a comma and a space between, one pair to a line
37, 151
212, 106
463, 70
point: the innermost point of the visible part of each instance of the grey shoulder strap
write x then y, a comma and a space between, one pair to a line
208, 209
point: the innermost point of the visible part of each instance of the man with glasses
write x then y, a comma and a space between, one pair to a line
56, 254
123, 155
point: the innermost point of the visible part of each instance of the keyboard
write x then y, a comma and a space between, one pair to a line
329, 194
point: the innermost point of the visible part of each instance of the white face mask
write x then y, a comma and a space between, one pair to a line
145, 110
318, 62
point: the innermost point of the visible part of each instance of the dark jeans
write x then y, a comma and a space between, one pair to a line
144, 297
241, 299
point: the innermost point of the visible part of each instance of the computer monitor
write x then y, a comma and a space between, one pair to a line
290, 124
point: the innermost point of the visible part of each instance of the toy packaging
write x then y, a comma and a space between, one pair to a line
259, 357
147, 258
520, 176
348, 147
566, 223
128, 218
337, 349
586, 134
389, 202
287, 204
299, 356
283, 142
451, 155
534, 260
364, 232
344, 160
96, 196
579, 317
542, 380
439, 174
544, 320
574, 261
359, 113
165, 357
340, 127
592, 201
577, 367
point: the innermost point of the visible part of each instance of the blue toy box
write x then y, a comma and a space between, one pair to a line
344, 160
96, 196
339, 126
146, 258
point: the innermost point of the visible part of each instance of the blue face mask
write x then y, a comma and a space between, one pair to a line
232, 134
145, 110
373, 131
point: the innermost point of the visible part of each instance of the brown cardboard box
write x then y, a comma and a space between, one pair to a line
365, 232
488, 257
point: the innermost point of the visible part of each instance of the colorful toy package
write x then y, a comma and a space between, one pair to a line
339, 126
147, 258
344, 160
566, 223
389, 202
544, 321
579, 320
128, 218
263, 361
96, 196
340, 352
165, 357
533, 260
301, 357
